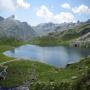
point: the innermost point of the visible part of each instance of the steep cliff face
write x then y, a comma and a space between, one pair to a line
10, 27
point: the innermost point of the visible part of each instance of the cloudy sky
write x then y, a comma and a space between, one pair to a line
42, 11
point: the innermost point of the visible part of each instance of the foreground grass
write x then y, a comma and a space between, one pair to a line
70, 78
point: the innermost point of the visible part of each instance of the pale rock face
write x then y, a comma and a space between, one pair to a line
10, 27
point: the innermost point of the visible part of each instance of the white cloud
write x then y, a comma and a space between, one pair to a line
7, 5
43, 12
47, 15
64, 17
66, 6
12, 5
81, 9
22, 4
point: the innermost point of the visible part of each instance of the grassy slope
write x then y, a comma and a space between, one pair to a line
3, 48
58, 38
48, 41
19, 71
8, 44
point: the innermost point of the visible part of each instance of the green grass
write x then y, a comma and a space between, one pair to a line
48, 77
8, 44
11, 42
19, 71
49, 41
4, 48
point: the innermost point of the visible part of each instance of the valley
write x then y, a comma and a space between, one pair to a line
42, 76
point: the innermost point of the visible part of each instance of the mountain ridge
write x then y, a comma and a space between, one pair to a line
10, 27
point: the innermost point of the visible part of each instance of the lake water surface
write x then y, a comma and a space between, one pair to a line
58, 56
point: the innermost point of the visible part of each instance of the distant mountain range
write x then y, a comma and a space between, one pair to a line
72, 29
12, 28
46, 28
75, 34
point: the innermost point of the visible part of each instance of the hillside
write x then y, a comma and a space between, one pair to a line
66, 37
44, 29
73, 77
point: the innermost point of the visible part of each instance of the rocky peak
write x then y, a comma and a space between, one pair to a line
1, 18
12, 17
88, 21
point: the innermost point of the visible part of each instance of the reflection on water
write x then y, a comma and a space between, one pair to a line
58, 56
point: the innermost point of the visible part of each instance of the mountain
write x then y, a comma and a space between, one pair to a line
88, 21
12, 28
1, 18
67, 34
72, 31
85, 37
46, 28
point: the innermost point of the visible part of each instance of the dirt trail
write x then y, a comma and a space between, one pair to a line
10, 61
